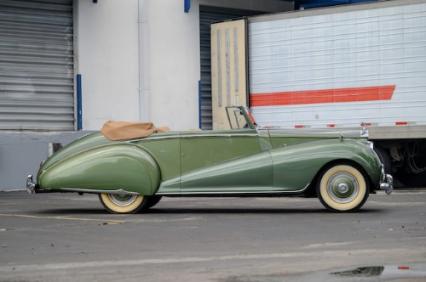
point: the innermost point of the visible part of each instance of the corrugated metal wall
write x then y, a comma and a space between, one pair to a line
36, 65
209, 15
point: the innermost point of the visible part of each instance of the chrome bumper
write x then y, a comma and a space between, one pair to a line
31, 185
387, 183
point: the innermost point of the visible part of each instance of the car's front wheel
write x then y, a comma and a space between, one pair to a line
342, 188
122, 203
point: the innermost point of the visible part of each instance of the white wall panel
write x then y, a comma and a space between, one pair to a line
107, 44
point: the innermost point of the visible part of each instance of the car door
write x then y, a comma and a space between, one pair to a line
228, 161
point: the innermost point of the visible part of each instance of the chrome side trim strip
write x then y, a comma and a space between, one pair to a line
97, 191
182, 193
221, 135
196, 136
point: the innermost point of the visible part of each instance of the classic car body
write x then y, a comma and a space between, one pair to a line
244, 160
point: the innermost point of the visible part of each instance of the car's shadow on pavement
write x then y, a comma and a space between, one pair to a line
79, 211
249, 211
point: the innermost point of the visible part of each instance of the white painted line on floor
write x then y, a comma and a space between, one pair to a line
110, 221
140, 262
410, 192
328, 245
153, 220
402, 204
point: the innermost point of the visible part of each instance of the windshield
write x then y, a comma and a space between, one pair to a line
239, 118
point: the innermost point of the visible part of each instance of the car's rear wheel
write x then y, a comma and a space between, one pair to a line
342, 188
122, 203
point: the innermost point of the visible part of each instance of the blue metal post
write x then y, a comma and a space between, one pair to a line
79, 103
186, 5
309, 4
199, 105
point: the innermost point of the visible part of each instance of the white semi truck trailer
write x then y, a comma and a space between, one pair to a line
338, 68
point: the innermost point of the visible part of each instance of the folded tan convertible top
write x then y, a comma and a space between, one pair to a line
124, 130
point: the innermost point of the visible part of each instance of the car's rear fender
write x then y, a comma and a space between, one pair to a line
110, 167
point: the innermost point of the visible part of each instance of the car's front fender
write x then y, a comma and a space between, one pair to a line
296, 166
109, 167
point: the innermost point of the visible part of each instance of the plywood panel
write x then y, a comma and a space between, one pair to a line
229, 69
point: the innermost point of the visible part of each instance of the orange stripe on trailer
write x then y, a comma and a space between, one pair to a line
338, 95
401, 123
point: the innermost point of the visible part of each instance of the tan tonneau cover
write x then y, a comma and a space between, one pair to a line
124, 130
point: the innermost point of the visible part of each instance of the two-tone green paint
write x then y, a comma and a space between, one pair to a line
242, 161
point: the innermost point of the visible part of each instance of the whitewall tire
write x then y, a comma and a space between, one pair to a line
122, 203
342, 188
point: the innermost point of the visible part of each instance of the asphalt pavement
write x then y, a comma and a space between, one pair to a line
67, 237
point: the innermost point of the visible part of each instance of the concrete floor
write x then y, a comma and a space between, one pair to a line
66, 237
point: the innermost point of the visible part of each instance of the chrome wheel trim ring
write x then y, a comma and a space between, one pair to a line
342, 187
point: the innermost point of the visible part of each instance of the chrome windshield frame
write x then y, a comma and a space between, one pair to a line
246, 114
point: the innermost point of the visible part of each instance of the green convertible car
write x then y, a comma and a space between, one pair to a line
132, 175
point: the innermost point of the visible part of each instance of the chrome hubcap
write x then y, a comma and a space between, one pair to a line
122, 200
342, 187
